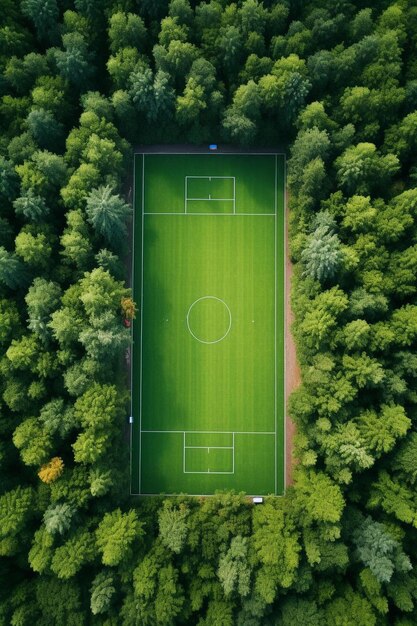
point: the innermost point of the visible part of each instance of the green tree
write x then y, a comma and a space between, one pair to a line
41, 551
34, 443
362, 24
75, 241
314, 115
45, 129
80, 376
355, 335
22, 352
31, 207
402, 137
8, 180
404, 325
358, 105
230, 48
108, 213
295, 610
381, 432
404, 459
102, 590
318, 499
91, 445
277, 548
57, 417
240, 118
158, 596
72, 487
172, 30
9, 321
350, 608
42, 298
309, 145
115, 535
75, 62
13, 273
34, 249
239, 127
57, 518
173, 526
101, 482
122, 64
322, 257
21, 148
44, 173
321, 318
44, 15
98, 406
126, 30
181, 10
401, 270
359, 214
100, 291
76, 552
176, 60
361, 169
97, 103
16, 508
234, 570
23, 73
50, 93
379, 551
103, 155
75, 193
60, 601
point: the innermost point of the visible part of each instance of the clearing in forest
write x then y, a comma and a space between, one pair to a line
208, 340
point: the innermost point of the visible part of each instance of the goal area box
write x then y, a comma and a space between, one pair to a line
208, 340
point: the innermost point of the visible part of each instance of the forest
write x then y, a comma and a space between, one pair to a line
335, 84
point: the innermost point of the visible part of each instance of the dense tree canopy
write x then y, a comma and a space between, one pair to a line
333, 84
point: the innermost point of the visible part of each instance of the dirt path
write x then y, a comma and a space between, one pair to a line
292, 370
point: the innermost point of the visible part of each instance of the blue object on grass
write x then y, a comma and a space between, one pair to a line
213, 146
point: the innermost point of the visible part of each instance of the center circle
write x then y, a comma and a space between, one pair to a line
209, 319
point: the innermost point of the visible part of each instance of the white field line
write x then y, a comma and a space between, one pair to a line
210, 199
131, 333
208, 448
216, 214
275, 322
234, 195
208, 471
214, 432
201, 495
211, 177
219, 154
141, 325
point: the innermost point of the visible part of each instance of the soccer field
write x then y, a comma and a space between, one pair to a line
208, 339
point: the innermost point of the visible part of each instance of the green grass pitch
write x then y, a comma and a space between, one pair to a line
208, 340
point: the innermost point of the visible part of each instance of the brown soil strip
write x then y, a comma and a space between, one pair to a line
292, 369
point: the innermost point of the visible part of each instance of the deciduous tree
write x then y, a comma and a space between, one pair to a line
115, 535
102, 591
